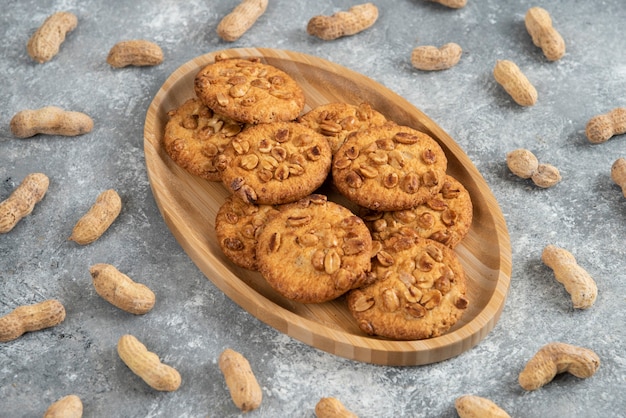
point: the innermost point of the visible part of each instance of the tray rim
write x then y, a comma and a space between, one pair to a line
359, 348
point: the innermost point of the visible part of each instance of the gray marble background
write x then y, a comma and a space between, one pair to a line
193, 321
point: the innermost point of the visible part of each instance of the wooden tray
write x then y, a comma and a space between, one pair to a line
189, 205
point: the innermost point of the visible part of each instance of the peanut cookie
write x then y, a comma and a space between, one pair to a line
237, 226
249, 91
389, 167
446, 218
314, 251
195, 135
419, 291
338, 120
275, 163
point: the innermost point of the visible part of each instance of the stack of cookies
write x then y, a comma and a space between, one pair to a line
391, 256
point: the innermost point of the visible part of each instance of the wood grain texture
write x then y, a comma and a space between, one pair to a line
189, 204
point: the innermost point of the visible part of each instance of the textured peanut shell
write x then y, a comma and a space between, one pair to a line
618, 174
45, 43
147, 364
120, 290
578, 283
23, 200
453, 4
515, 83
555, 358
546, 176
240, 19
522, 162
98, 218
69, 406
431, 58
539, 26
470, 406
343, 23
50, 120
601, 128
242, 384
136, 52
29, 318
332, 408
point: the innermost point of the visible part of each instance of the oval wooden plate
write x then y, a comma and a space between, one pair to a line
189, 205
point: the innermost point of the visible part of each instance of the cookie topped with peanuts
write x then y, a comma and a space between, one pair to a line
389, 167
314, 250
195, 137
275, 163
338, 120
237, 226
418, 291
249, 91
446, 217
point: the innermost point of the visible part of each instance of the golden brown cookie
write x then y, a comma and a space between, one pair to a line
314, 251
446, 218
275, 163
419, 291
237, 226
249, 91
338, 120
389, 167
195, 136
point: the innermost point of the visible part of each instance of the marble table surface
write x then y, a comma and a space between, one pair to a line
193, 321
